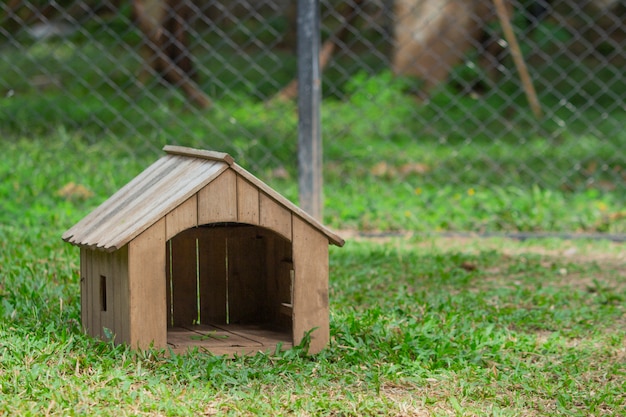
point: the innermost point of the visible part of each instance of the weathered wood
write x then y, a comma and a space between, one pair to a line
164, 185
212, 265
285, 278
146, 269
332, 237
217, 202
168, 282
114, 303
94, 283
199, 153
106, 295
184, 279
85, 295
246, 276
106, 304
205, 336
310, 292
247, 202
121, 303
269, 270
278, 266
227, 339
219, 247
169, 184
182, 217
258, 333
274, 216
88, 230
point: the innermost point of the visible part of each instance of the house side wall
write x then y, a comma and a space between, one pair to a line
310, 291
147, 293
121, 302
104, 293
85, 291
290, 255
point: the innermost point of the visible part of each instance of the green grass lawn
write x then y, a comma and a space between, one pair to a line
420, 324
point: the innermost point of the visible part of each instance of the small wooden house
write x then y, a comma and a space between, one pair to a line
196, 251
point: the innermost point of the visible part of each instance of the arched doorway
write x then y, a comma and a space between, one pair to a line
229, 289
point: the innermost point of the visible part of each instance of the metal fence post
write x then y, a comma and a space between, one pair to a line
309, 98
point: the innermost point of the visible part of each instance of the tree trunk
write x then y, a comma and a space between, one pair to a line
164, 25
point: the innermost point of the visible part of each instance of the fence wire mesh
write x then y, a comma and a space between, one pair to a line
427, 95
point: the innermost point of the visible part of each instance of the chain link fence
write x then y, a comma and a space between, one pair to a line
419, 93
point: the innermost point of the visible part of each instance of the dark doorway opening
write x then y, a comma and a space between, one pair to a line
229, 289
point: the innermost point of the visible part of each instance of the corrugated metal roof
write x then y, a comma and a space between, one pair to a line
163, 186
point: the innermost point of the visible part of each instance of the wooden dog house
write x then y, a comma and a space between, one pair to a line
196, 251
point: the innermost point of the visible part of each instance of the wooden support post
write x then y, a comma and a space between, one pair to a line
309, 97
518, 58
348, 12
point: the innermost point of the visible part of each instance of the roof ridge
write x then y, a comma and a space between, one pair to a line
199, 153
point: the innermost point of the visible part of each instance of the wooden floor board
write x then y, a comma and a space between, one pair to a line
227, 339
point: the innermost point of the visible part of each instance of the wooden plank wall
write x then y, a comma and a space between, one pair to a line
231, 265
110, 269
218, 200
212, 265
85, 293
274, 216
230, 198
279, 268
184, 279
182, 217
310, 294
147, 293
247, 202
255, 276
246, 276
